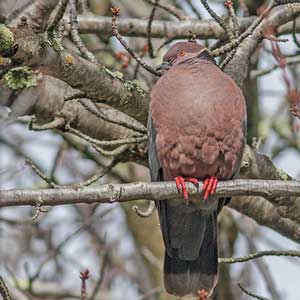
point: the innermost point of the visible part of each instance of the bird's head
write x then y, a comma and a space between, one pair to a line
183, 51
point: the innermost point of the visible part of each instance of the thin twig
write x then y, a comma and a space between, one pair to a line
65, 241
151, 17
251, 294
57, 158
131, 140
194, 9
101, 277
234, 260
229, 46
59, 13
115, 13
292, 94
219, 20
4, 290
41, 174
170, 9
236, 42
96, 176
264, 270
90, 106
227, 59
147, 213
229, 5
75, 34
56, 123
289, 61
81, 184
75, 96
84, 276
297, 43
115, 152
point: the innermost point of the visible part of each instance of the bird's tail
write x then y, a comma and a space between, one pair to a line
185, 273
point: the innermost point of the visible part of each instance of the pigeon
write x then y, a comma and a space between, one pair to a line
196, 128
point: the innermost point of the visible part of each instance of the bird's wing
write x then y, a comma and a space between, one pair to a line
154, 164
156, 174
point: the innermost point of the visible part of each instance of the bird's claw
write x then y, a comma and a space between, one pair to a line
209, 186
181, 187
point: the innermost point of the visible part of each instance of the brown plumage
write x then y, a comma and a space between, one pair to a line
196, 129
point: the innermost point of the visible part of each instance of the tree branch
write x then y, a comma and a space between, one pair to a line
237, 68
76, 71
37, 14
159, 191
203, 29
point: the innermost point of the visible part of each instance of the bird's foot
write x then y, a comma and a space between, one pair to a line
202, 294
209, 186
181, 187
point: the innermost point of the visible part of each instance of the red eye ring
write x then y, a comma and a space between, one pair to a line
181, 53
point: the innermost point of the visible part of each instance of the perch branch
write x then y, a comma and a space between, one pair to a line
111, 193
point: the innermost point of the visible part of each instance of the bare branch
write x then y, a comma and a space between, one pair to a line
115, 13
233, 260
266, 214
37, 14
4, 290
126, 96
75, 35
147, 213
159, 191
251, 294
59, 13
203, 29
238, 66
289, 61
170, 9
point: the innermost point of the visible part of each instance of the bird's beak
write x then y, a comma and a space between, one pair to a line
164, 65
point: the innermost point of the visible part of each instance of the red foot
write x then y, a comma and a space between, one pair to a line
209, 186
202, 294
181, 187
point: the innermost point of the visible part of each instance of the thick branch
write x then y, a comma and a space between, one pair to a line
203, 29
37, 14
237, 68
76, 71
111, 193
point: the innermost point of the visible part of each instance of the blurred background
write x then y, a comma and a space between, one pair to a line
43, 258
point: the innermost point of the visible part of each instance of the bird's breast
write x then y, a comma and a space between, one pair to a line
199, 122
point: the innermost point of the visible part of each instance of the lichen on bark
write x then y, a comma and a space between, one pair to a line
20, 77
6, 38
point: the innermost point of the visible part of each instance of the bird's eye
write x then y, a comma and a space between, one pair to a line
181, 53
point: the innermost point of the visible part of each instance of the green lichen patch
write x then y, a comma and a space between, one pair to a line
282, 174
116, 74
130, 85
135, 85
50, 39
20, 77
6, 38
